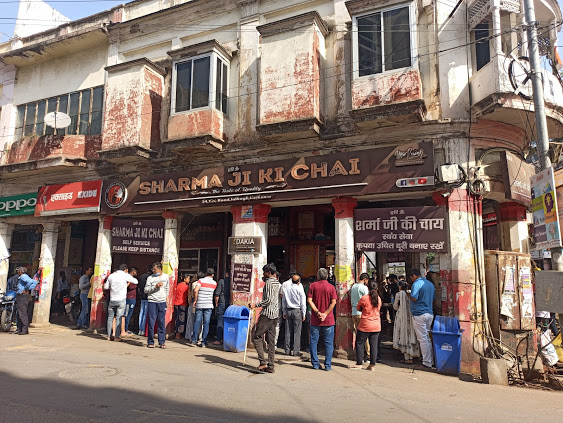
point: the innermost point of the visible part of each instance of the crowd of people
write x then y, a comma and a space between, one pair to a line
306, 307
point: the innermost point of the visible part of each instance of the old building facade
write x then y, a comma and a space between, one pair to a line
276, 120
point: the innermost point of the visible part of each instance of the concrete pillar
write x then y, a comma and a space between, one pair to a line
513, 227
462, 272
250, 221
170, 261
6, 230
497, 37
344, 272
102, 269
249, 39
49, 240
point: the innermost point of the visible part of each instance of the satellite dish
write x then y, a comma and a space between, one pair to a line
57, 120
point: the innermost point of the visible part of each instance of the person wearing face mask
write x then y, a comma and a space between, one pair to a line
157, 288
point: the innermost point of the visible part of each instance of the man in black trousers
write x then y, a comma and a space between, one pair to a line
25, 286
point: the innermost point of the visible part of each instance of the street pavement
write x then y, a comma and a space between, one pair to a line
60, 375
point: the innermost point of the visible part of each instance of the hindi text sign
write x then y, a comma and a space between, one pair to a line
242, 277
516, 174
402, 229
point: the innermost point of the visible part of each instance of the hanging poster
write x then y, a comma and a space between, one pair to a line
509, 287
547, 233
527, 292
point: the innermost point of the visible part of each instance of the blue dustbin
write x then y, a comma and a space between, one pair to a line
235, 327
446, 337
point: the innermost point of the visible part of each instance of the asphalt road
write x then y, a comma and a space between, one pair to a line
59, 375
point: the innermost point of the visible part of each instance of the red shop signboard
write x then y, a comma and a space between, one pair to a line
77, 197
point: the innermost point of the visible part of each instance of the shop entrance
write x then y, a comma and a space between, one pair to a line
76, 251
301, 240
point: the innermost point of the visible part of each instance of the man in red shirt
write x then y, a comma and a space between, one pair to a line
321, 297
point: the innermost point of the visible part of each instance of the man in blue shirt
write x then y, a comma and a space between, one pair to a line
422, 297
25, 286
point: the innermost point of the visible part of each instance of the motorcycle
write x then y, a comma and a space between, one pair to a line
8, 311
73, 307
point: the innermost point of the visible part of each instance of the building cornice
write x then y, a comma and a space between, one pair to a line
292, 23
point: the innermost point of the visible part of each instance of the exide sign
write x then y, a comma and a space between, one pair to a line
77, 197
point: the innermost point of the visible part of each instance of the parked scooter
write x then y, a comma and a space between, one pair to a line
73, 307
8, 311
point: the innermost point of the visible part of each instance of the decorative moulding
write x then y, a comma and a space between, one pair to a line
136, 63
200, 48
295, 22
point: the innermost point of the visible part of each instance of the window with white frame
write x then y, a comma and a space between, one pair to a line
200, 82
383, 41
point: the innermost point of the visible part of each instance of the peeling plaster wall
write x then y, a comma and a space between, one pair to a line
196, 123
81, 70
132, 112
378, 90
290, 76
8, 112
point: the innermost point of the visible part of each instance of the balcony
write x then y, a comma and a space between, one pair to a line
388, 99
290, 94
500, 88
495, 98
44, 153
199, 100
133, 108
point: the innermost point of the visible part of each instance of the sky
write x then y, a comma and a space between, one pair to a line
76, 9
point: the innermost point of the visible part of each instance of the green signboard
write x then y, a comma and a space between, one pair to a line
18, 205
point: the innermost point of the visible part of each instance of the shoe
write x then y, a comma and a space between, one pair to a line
141, 333
371, 367
269, 370
203, 345
327, 369
15, 333
216, 342
112, 338
288, 353
318, 368
23, 333
431, 367
379, 361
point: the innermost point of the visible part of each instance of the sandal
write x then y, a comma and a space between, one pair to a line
163, 346
403, 361
150, 346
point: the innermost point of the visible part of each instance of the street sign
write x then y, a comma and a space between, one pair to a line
245, 245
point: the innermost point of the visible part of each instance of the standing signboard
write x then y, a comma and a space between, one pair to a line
547, 233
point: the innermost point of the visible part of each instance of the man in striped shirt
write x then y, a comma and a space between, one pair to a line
267, 322
203, 305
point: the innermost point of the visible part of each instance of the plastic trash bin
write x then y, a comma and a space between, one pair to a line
446, 337
235, 327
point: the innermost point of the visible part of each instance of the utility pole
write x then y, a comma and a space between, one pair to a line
539, 106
